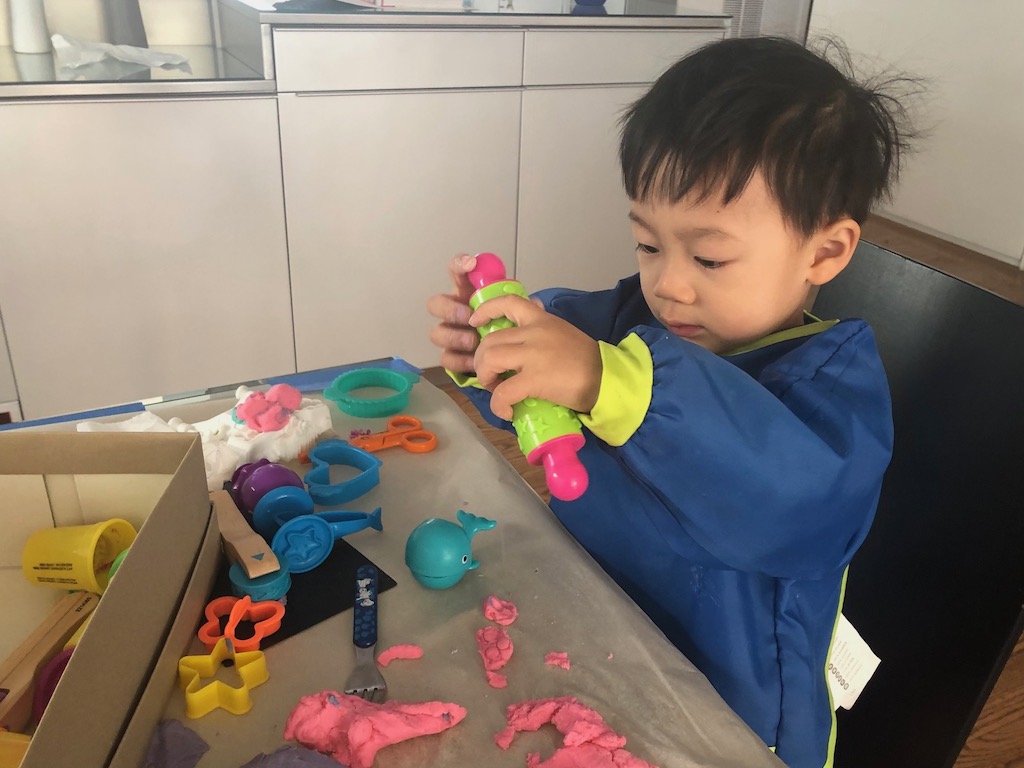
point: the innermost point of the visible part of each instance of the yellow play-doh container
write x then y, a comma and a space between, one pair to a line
13, 747
76, 556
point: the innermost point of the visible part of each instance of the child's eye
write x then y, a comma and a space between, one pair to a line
646, 248
707, 263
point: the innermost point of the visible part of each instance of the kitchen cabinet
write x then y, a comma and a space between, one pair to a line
9, 407
396, 155
143, 248
572, 226
381, 190
402, 147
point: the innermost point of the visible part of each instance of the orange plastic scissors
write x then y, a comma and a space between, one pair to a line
406, 431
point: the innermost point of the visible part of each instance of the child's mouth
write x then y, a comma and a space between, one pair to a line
686, 331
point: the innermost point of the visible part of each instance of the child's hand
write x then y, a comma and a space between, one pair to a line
553, 359
453, 334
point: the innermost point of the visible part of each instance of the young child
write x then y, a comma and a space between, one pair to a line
735, 445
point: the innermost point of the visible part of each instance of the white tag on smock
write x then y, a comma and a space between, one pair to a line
850, 666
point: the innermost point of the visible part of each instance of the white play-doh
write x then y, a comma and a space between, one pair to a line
227, 444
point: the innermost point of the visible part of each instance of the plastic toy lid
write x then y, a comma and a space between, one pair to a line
116, 563
279, 506
303, 543
271, 586
262, 480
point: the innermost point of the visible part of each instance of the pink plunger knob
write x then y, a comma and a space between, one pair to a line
566, 477
489, 269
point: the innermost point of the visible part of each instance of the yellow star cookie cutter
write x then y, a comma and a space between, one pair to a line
200, 699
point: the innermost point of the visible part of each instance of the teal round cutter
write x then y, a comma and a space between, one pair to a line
371, 407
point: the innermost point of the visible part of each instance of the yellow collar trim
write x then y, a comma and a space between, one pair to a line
807, 329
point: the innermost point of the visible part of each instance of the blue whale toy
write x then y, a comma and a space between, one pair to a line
438, 552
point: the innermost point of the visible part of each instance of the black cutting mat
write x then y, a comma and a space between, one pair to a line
315, 595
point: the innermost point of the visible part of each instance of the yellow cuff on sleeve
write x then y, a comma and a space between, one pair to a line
625, 394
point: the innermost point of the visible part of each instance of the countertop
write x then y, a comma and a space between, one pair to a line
73, 31
621, 664
568, 13
209, 70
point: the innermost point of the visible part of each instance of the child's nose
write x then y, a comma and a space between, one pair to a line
674, 285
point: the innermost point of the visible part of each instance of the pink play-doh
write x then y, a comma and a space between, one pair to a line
587, 740
495, 649
388, 655
353, 730
500, 611
557, 659
270, 411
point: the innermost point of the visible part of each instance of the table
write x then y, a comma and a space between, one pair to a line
622, 666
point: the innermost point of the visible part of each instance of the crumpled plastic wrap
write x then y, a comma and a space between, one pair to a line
77, 57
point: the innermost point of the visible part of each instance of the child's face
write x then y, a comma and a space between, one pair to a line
722, 276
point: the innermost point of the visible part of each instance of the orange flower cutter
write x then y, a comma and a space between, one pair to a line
266, 618
200, 699
406, 431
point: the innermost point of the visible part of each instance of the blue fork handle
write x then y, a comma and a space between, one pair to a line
364, 617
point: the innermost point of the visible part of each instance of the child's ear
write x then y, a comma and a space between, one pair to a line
833, 247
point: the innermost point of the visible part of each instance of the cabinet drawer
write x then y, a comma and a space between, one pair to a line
582, 57
392, 59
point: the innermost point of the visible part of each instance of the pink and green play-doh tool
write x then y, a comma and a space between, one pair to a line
550, 435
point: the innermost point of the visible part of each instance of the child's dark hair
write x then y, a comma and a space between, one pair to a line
826, 146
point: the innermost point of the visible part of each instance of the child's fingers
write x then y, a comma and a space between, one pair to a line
516, 308
454, 338
507, 393
449, 309
459, 362
459, 267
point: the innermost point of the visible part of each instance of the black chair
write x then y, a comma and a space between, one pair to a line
937, 589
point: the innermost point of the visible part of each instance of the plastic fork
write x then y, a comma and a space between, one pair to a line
366, 681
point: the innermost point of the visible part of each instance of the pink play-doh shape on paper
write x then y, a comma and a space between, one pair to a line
388, 655
353, 730
500, 611
495, 649
557, 659
269, 411
587, 740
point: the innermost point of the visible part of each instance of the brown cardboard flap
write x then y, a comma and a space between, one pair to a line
100, 453
112, 663
182, 635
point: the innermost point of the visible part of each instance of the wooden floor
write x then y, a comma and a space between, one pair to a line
997, 740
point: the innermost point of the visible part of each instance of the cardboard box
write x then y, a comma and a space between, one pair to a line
158, 483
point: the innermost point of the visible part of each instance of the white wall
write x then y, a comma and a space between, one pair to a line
966, 182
